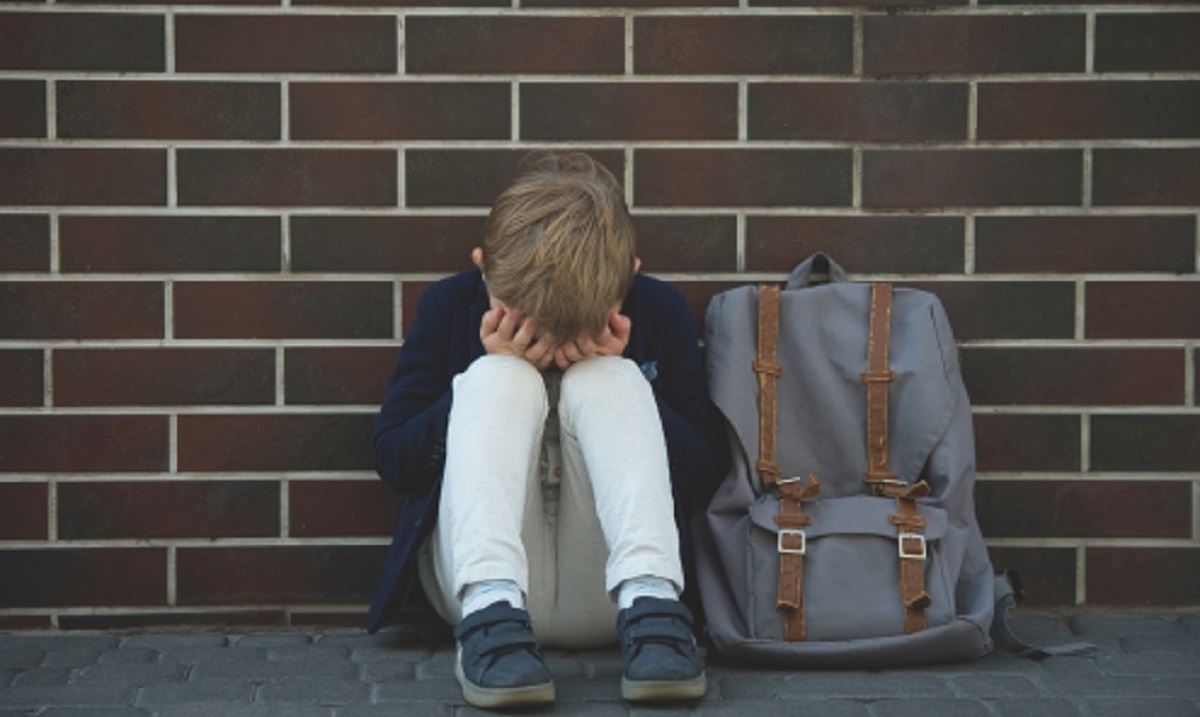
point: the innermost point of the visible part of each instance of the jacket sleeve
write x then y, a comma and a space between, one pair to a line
410, 435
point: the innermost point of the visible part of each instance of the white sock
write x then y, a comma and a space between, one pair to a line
479, 595
645, 586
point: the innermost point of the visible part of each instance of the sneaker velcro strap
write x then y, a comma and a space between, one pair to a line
505, 641
659, 631
659, 608
493, 615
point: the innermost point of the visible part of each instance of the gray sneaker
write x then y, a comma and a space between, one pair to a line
659, 652
499, 663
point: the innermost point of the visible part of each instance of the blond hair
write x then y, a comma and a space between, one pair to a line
560, 246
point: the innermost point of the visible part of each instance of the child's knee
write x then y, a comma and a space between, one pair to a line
602, 377
506, 378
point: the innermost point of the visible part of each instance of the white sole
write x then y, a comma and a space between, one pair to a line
500, 697
665, 690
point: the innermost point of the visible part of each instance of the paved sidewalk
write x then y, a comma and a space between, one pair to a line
1147, 666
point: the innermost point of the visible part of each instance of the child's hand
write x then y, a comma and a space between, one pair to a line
610, 343
509, 333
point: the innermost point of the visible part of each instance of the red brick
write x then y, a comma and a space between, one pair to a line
81, 310
325, 509
630, 111
276, 442
638, 4
287, 177
168, 509
1089, 110
870, 111
841, 4
742, 177
156, 377
1016, 442
401, 110
887, 245
410, 295
339, 376
972, 44
278, 310
473, 177
1153, 177
1049, 572
1007, 309
1154, 443
83, 444
175, 243
671, 243
1143, 576
24, 242
26, 622
83, 175
285, 43
395, 244
1075, 377
24, 512
1161, 42
24, 113
1085, 244
83, 577
273, 575
1084, 509
743, 45
511, 44
168, 110
97, 42
1142, 310
21, 378
234, 620
965, 177
407, 3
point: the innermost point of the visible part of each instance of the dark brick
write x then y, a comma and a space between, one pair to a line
972, 44
294, 309
1084, 509
21, 378
339, 376
62, 577
24, 113
1142, 310
887, 245
168, 110
325, 509
401, 110
1085, 244
83, 175
511, 44
674, 243
743, 45
83, 444
1154, 177
407, 3
1143, 576
1089, 110
273, 575
81, 310
140, 621
163, 377
639, 4
26, 622
1009, 442
169, 244
23, 511
96, 42
869, 111
285, 43
742, 177
1161, 42
1007, 309
168, 509
410, 295
1134, 443
1049, 572
275, 442
469, 177
1079, 377
287, 177
699, 293
396, 244
24, 242
965, 177
631, 111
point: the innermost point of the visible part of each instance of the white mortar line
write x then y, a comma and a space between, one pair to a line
1189, 378
169, 39
969, 244
173, 443
515, 111
172, 576
972, 112
629, 45
1080, 310
857, 50
285, 520
47, 378
168, 309
51, 110
285, 111
172, 178
397, 308
55, 244
1086, 189
1089, 41
743, 111
1196, 510
401, 178
1081, 575
628, 154
741, 243
280, 378
1085, 443
401, 45
52, 510
856, 178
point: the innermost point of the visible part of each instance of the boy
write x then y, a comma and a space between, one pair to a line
549, 420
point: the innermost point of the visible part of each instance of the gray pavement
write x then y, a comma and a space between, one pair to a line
1146, 666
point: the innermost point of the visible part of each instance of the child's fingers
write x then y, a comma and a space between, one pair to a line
491, 322
620, 325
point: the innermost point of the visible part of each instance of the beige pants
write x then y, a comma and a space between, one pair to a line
558, 482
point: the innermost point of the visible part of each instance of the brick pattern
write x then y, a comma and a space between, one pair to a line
216, 220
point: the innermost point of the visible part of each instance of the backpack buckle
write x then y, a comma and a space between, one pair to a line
784, 532
920, 554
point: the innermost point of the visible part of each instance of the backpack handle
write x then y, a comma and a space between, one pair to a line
819, 263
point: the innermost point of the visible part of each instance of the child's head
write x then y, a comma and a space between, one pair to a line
560, 245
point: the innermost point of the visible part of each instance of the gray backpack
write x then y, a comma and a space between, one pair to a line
845, 532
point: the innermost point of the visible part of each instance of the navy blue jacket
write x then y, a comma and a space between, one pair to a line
410, 437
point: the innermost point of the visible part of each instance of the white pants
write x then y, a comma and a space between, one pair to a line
559, 483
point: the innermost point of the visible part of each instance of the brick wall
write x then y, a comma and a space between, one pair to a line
215, 221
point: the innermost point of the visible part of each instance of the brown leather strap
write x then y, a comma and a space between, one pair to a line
768, 372
877, 377
792, 545
912, 548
